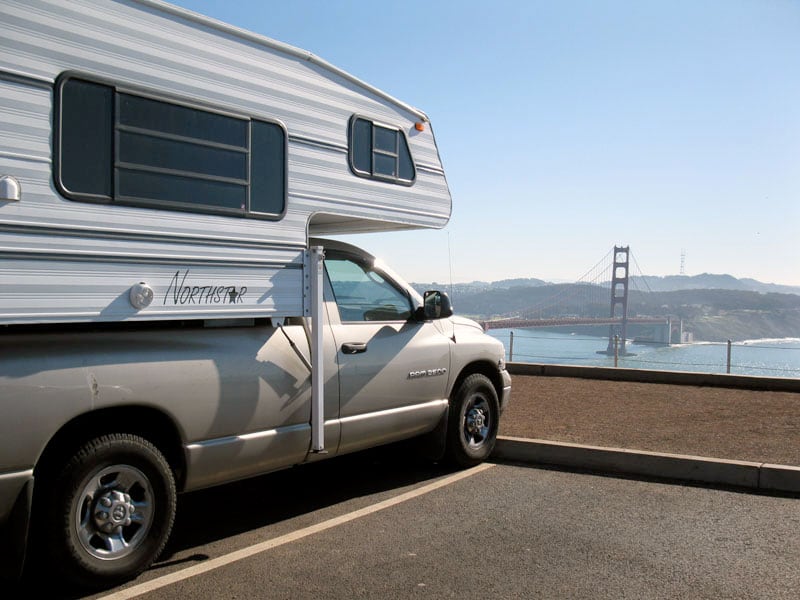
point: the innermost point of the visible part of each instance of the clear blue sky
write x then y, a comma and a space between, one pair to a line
566, 127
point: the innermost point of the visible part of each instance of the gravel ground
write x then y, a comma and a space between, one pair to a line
701, 421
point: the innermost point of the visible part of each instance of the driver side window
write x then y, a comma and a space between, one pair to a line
362, 294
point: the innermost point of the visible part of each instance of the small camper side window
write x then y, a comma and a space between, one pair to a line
380, 151
125, 148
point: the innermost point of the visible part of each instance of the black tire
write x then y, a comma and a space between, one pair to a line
109, 511
472, 422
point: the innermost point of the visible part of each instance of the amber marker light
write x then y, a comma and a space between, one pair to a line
419, 126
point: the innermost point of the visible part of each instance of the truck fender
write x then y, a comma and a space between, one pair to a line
432, 445
15, 535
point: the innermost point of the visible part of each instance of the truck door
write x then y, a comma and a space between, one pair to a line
393, 370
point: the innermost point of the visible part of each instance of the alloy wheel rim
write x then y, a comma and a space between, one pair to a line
114, 512
477, 421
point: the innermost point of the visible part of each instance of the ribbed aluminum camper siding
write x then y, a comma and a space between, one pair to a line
64, 260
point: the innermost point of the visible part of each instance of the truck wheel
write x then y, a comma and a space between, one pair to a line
110, 510
473, 421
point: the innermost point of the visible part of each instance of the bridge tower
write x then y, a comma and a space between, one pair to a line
619, 299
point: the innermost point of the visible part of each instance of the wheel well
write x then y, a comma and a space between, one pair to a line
148, 423
486, 368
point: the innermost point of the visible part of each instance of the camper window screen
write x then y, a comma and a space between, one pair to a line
129, 149
380, 152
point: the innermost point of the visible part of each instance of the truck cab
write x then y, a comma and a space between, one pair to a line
400, 356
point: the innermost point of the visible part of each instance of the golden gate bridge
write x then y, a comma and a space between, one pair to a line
599, 297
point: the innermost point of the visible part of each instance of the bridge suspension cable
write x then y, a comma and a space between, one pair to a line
587, 298
583, 298
638, 275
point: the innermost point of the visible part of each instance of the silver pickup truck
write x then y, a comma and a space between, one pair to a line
102, 425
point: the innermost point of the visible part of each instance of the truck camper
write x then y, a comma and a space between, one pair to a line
170, 319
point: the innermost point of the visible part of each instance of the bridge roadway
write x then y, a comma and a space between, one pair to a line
519, 323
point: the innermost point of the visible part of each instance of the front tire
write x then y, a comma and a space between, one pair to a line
109, 511
473, 422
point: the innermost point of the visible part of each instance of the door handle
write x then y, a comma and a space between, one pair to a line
354, 348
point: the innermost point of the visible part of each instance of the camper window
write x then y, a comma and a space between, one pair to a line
126, 148
379, 151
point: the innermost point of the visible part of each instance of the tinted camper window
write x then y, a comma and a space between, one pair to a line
380, 151
121, 147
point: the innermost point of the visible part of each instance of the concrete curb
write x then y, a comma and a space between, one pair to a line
753, 475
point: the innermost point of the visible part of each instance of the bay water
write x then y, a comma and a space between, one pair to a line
767, 357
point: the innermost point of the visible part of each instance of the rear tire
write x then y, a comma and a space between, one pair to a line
473, 422
109, 511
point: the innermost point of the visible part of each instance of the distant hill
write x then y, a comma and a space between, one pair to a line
710, 281
669, 283
771, 287
480, 286
729, 308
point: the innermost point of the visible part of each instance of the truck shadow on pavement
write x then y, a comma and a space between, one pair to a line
216, 514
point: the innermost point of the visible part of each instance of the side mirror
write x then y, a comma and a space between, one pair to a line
436, 305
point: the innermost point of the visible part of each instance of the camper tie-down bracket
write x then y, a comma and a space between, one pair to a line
313, 308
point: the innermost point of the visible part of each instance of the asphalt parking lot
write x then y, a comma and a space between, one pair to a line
374, 525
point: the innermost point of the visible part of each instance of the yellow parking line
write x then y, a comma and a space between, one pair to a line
221, 561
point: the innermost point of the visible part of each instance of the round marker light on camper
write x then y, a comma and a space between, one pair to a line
419, 126
141, 295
